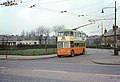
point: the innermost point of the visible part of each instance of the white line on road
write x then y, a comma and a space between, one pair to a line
2, 67
108, 75
54, 71
64, 75
50, 71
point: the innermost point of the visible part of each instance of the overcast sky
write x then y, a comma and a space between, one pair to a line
14, 19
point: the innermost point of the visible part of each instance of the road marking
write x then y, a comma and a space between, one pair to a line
2, 67
108, 75
50, 71
54, 71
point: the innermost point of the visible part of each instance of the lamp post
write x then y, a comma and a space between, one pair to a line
114, 29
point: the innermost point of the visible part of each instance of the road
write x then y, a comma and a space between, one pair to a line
65, 69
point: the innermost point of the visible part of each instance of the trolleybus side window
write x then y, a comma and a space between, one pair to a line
60, 45
71, 44
71, 33
60, 34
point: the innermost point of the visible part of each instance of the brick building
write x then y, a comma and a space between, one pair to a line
109, 37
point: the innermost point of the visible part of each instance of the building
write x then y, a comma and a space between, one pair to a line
15, 40
109, 37
94, 41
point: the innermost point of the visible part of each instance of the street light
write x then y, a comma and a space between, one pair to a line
114, 29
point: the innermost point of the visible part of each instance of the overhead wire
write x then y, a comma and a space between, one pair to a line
69, 13
37, 4
87, 15
106, 15
55, 1
110, 22
98, 10
101, 17
84, 6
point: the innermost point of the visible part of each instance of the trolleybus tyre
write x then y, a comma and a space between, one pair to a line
83, 51
72, 54
59, 56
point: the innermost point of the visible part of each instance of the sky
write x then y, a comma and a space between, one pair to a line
15, 19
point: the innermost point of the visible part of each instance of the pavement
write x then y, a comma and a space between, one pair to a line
110, 60
18, 57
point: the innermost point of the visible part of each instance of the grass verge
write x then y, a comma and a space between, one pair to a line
29, 52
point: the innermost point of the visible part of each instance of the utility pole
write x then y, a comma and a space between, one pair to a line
101, 28
114, 29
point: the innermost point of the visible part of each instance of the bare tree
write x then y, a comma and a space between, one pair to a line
28, 36
57, 28
32, 33
47, 31
23, 33
40, 30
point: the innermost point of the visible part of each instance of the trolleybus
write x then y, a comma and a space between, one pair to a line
71, 42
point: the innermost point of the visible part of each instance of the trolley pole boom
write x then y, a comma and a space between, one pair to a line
81, 26
91, 22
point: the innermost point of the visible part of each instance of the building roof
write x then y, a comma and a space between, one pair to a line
93, 37
111, 32
70, 30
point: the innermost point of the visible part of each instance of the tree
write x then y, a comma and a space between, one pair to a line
32, 33
110, 42
40, 30
23, 33
57, 28
47, 31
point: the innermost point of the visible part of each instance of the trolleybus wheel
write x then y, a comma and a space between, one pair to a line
83, 52
59, 56
72, 53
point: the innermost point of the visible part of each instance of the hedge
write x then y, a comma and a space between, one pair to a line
22, 47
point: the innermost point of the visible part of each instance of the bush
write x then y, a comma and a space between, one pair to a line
27, 46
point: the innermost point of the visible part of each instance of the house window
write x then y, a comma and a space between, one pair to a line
14, 43
35, 42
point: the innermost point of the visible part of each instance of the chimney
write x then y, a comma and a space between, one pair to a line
105, 31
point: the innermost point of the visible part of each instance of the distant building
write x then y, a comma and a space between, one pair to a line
15, 40
109, 37
93, 41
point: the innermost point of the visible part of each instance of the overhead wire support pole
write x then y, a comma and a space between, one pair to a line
114, 29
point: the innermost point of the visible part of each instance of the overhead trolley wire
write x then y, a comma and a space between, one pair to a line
55, 1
